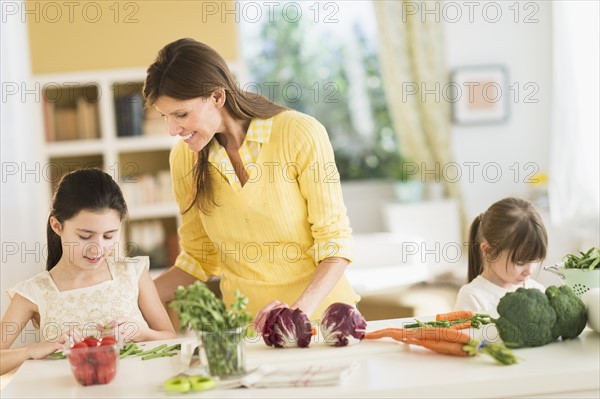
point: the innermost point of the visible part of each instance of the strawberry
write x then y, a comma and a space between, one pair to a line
85, 374
78, 353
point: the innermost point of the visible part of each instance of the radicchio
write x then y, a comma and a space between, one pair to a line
341, 322
285, 328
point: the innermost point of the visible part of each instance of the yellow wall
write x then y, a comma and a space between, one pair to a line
87, 35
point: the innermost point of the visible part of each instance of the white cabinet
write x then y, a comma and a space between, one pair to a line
436, 231
417, 242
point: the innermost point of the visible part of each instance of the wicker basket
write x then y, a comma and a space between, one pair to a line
580, 280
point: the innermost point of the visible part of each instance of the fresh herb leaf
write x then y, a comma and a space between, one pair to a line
588, 260
200, 310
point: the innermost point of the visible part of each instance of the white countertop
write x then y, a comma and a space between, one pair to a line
385, 369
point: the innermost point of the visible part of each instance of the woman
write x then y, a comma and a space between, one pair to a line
257, 188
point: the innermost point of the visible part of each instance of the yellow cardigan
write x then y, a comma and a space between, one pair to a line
267, 239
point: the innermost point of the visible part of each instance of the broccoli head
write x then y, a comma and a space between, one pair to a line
526, 318
571, 316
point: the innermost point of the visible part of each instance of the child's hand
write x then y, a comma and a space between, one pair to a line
128, 329
42, 349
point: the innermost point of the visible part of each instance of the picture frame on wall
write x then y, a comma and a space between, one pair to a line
479, 95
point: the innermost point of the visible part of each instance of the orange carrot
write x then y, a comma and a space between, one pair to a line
461, 326
314, 331
395, 333
447, 341
447, 348
423, 334
458, 314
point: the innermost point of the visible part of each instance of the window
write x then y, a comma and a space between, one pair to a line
321, 58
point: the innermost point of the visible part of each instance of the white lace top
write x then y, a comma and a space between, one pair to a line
481, 295
84, 308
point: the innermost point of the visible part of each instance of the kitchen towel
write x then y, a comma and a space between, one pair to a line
270, 376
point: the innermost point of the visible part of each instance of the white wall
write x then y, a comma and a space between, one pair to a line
24, 192
524, 49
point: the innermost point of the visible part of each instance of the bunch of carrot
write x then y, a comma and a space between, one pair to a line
458, 320
448, 340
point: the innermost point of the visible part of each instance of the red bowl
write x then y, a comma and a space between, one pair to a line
94, 361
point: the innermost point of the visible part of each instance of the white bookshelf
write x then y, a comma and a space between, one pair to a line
72, 148
162, 210
145, 143
116, 155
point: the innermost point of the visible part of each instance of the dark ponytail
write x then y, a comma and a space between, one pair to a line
83, 189
475, 258
54, 246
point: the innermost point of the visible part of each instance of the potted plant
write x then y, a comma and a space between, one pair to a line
221, 331
404, 176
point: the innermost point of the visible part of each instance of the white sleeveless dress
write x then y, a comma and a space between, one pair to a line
84, 308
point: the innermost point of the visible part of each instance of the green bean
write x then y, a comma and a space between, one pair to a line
57, 355
172, 348
158, 354
127, 351
476, 322
151, 351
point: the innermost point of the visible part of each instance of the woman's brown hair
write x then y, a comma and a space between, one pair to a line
512, 225
186, 69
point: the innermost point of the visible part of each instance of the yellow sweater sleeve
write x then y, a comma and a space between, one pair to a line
319, 182
198, 255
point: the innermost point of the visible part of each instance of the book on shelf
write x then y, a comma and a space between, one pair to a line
87, 119
70, 122
65, 119
49, 123
130, 115
147, 189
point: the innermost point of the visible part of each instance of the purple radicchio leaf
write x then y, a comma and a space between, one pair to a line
342, 322
303, 328
285, 328
280, 330
269, 334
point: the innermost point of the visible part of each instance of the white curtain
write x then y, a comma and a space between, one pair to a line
411, 52
575, 160
25, 191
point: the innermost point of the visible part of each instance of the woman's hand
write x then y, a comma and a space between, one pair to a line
128, 329
261, 316
328, 273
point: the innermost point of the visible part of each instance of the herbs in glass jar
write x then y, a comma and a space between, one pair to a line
221, 330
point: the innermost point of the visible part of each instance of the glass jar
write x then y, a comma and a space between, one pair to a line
225, 351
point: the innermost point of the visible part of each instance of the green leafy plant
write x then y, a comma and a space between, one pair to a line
221, 330
587, 260
200, 309
287, 55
